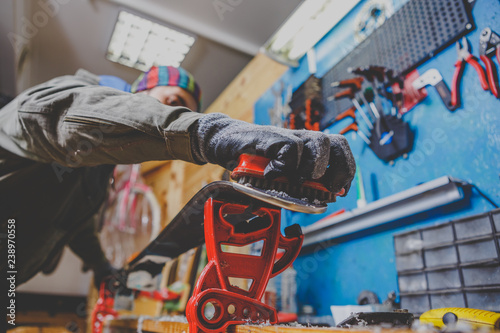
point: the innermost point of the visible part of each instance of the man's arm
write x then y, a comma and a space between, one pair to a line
75, 122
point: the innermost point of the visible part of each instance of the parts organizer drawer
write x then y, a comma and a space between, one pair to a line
454, 264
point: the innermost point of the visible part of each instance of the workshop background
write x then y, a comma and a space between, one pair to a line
418, 230
462, 144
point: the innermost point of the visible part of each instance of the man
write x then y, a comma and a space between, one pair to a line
60, 140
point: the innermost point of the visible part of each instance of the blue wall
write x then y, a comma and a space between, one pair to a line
464, 144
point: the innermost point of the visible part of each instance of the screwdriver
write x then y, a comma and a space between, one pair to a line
369, 97
354, 127
349, 93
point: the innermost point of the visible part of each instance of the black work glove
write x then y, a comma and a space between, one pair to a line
108, 274
296, 154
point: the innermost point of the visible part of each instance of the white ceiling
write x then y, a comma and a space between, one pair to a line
229, 33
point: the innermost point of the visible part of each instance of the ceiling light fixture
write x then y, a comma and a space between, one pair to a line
140, 43
305, 27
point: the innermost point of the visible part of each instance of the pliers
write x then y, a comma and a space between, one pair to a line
489, 45
463, 57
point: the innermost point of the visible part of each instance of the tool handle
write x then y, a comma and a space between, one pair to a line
491, 73
309, 124
344, 93
480, 71
444, 93
354, 83
347, 113
459, 68
352, 127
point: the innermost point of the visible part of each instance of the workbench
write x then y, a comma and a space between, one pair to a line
156, 326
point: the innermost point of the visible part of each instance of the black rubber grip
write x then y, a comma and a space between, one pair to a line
444, 93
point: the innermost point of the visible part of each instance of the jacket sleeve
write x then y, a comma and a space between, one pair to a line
86, 245
74, 122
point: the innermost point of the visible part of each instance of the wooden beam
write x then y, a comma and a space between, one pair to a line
238, 99
149, 325
58, 322
39, 329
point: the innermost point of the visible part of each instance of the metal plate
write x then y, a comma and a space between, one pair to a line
282, 201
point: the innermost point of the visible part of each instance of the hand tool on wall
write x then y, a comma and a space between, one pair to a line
391, 138
312, 116
369, 97
350, 93
464, 56
354, 83
375, 75
450, 317
354, 127
360, 189
489, 46
306, 106
393, 82
347, 113
433, 78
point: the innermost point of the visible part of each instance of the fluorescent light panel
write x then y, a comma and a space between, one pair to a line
139, 43
305, 27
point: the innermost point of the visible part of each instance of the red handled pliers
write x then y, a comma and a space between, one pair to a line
463, 57
489, 46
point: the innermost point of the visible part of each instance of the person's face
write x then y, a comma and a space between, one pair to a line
173, 96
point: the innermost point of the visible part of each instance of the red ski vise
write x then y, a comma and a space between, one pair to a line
216, 303
103, 308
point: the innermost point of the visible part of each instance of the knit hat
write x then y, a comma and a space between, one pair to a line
168, 76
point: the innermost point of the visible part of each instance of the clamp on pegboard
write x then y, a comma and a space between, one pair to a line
215, 303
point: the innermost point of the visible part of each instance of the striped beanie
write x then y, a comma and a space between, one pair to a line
168, 76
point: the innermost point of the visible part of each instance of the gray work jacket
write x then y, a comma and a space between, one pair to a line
59, 142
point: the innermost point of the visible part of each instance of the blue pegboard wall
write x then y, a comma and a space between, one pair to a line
464, 144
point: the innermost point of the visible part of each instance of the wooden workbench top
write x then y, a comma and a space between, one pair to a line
158, 326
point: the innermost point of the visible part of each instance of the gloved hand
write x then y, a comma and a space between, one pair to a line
295, 154
109, 274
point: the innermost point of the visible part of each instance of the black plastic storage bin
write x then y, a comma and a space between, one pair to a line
453, 264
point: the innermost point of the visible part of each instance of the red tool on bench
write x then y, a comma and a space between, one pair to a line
103, 309
225, 215
215, 303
